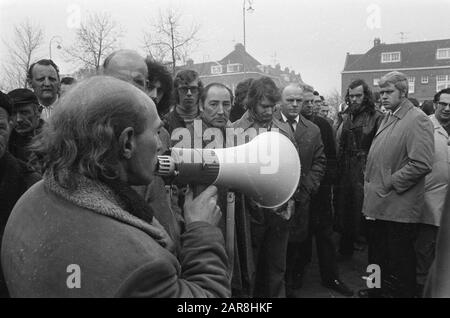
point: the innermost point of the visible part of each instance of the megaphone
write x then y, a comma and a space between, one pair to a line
267, 169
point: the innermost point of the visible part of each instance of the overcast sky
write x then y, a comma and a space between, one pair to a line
311, 37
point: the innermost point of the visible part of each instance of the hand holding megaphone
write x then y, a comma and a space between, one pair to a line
267, 169
203, 208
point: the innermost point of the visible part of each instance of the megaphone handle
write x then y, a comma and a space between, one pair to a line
230, 227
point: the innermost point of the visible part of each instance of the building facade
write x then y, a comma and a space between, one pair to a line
426, 63
238, 66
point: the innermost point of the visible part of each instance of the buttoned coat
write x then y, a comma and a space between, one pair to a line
400, 157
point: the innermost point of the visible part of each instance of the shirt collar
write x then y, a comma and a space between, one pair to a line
296, 119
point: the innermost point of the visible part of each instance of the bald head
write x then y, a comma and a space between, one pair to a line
128, 66
291, 101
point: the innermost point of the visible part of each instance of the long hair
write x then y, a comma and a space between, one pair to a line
260, 88
368, 100
241, 93
158, 72
82, 133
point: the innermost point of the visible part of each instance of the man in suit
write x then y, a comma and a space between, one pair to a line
312, 157
400, 157
321, 216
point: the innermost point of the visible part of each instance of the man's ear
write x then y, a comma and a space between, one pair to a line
200, 106
127, 143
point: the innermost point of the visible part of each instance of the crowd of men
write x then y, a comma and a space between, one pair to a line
378, 175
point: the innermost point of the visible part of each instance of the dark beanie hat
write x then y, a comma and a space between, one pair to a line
23, 96
5, 103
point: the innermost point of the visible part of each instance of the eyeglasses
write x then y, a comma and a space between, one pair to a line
185, 89
442, 104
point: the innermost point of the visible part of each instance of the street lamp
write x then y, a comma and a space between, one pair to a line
50, 44
249, 9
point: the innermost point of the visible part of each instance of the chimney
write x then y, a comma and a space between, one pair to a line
190, 62
239, 47
376, 41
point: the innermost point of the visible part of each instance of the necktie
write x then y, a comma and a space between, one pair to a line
291, 123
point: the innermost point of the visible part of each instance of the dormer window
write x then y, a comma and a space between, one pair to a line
442, 54
233, 68
390, 57
216, 69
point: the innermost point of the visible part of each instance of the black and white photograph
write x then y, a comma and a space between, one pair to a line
244, 150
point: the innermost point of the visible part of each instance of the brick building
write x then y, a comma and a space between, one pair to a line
237, 66
426, 63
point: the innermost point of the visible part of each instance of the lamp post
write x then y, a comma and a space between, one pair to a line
50, 44
244, 9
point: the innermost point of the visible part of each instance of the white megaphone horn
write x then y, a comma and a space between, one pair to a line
267, 169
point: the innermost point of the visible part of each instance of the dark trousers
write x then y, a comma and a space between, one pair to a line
270, 235
349, 201
425, 251
320, 227
391, 246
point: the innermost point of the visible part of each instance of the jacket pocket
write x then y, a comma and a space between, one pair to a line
385, 189
383, 194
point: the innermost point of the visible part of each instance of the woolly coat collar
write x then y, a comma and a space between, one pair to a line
97, 197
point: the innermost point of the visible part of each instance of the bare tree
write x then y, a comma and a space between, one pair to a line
96, 38
165, 39
27, 39
334, 99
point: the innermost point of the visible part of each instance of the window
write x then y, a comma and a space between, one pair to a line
424, 80
442, 81
233, 68
376, 81
216, 69
442, 54
390, 57
411, 80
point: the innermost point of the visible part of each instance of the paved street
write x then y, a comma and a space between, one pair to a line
351, 272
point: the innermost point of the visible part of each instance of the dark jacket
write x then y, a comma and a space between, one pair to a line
18, 144
246, 212
358, 131
313, 162
326, 132
15, 178
117, 254
355, 136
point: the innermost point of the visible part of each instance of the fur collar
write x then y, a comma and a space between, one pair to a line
97, 197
